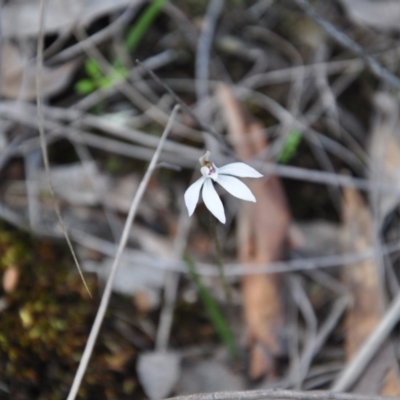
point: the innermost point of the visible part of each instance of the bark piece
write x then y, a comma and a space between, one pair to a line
367, 306
262, 233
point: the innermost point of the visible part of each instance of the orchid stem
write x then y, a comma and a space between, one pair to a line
220, 263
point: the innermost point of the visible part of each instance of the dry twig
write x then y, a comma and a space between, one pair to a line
124, 239
372, 344
345, 41
43, 144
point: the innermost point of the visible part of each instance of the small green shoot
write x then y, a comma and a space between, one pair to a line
85, 86
97, 80
214, 313
290, 147
136, 33
93, 69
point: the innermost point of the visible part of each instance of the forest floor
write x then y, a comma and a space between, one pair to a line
284, 293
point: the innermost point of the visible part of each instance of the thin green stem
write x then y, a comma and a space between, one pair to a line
213, 311
220, 262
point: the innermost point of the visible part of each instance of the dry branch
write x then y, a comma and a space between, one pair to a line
269, 394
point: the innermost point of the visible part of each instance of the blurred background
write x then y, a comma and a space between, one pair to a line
283, 294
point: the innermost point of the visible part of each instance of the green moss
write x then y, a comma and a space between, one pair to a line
44, 329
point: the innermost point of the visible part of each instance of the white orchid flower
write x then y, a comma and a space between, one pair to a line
223, 176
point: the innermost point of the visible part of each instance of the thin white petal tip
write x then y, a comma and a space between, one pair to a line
192, 194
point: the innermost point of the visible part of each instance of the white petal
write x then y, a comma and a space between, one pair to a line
236, 188
239, 169
192, 195
212, 201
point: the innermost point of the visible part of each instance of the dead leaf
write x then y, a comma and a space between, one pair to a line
131, 279
262, 232
10, 279
364, 284
79, 184
382, 14
19, 75
158, 373
21, 17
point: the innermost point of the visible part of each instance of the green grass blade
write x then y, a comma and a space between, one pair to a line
290, 147
214, 313
136, 33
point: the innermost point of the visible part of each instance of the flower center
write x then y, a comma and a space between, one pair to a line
209, 170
